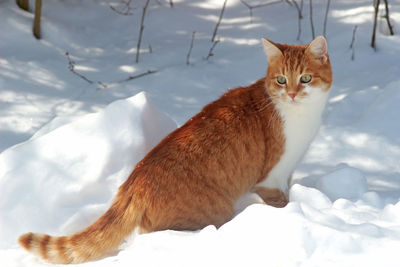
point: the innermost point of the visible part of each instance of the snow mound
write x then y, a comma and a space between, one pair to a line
345, 182
310, 196
67, 174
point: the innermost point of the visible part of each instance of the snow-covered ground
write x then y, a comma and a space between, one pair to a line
80, 140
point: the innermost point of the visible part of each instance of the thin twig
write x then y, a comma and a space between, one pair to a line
138, 76
244, 3
353, 37
211, 53
126, 10
141, 30
103, 85
107, 85
376, 7
299, 17
219, 21
110, 84
311, 21
250, 7
71, 67
387, 18
124, 13
190, 49
171, 4
263, 4
299, 8
352, 46
326, 16
250, 10
288, 2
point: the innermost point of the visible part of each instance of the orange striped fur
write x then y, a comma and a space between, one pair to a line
193, 177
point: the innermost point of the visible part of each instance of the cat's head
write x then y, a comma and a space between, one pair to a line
297, 73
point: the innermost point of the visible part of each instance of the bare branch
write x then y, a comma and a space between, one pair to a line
124, 13
126, 10
354, 37
326, 16
102, 85
311, 21
141, 30
264, 4
299, 8
250, 10
288, 2
171, 4
387, 18
244, 3
352, 46
71, 67
299, 17
250, 7
211, 53
111, 84
376, 7
138, 76
219, 21
190, 49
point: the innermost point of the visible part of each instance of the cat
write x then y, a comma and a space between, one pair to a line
249, 140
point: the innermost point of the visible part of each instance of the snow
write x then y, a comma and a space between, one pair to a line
67, 144
346, 182
83, 161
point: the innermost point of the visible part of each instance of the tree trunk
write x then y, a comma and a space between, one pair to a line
23, 4
36, 20
376, 7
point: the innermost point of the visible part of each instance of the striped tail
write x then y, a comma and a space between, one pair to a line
103, 236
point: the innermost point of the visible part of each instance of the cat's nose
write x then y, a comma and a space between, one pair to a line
292, 94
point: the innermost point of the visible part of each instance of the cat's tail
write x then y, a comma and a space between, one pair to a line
103, 236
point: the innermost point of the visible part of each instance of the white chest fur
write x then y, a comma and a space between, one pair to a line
301, 122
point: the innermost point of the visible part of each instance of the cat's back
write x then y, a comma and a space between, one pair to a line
223, 137
221, 120
237, 101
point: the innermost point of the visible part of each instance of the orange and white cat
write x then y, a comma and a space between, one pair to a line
249, 140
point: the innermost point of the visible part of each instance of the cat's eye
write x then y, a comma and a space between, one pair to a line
281, 79
306, 78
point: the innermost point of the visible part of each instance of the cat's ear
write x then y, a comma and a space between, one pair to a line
271, 50
318, 48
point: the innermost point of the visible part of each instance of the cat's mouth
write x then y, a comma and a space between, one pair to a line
293, 101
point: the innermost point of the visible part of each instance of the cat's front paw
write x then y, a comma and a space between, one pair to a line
271, 196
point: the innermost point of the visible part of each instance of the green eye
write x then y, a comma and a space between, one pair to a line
306, 78
281, 79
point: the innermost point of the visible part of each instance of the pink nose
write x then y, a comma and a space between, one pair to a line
292, 95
